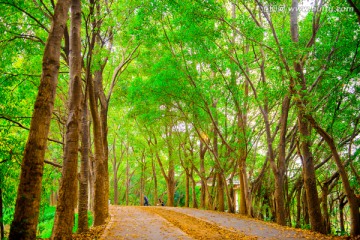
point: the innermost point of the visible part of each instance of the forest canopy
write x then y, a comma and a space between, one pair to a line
248, 107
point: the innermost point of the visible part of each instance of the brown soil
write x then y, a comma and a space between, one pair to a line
94, 233
197, 228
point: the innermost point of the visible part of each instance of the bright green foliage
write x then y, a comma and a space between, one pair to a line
188, 57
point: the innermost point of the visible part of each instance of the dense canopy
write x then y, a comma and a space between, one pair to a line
248, 107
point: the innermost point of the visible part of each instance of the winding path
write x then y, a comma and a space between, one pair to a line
154, 223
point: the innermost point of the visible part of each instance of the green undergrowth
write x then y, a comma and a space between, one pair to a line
46, 222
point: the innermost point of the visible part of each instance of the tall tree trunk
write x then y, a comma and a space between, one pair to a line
156, 198
298, 208
104, 106
279, 186
203, 182
64, 217
353, 202
324, 194
187, 189
245, 198
310, 178
84, 168
342, 204
219, 171
305, 208
28, 196
170, 181
91, 178
242, 207
193, 182
101, 207
231, 198
305, 134
220, 192
142, 178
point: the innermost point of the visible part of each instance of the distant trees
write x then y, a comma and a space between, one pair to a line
217, 105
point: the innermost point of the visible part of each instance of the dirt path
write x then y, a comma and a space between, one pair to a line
136, 223
185, 223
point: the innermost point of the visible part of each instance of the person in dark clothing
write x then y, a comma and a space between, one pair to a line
146, 201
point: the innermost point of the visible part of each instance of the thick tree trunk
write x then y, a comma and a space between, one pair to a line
242, 207
101, 207
193, 182
104, 105
245, 203
220, 192
170, 183
310, 178
170, 179
305, 134
91, 178
203, 182
324, 205
353, 202
64, 217
298, 208
230, 197
28, 197
342, 204
305, 208
84, 169
220, 183
142, 179
280, 178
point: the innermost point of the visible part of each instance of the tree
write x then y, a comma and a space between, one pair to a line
28, 197
64, 218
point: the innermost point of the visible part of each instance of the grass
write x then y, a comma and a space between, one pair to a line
46, 222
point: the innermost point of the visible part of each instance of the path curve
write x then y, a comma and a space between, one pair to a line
154, 223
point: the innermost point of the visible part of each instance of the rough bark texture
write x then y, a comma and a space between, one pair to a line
298, 208
353, 202
187, 190
104, 105
170, 183
28, 198
305, 134
281, 166
64, 217
342, 204
310, 178
156, 198
101, 207
84, 169
203, 149
170, 177
194, 201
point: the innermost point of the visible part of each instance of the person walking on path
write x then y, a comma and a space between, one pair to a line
146, 201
